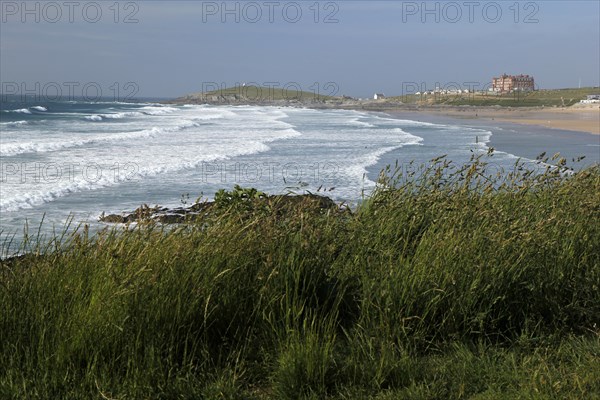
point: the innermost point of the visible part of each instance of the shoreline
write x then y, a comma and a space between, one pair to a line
582, 119
521, 140
578, 119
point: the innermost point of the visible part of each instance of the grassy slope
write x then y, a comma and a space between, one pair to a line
548, 98
446, 287
256, 93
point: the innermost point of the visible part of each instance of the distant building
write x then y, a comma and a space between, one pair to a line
592, 99
511, 83
378, 96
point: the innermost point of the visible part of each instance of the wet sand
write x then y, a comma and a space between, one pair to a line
577, 118
519, 139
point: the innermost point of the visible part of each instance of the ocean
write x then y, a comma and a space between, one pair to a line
72, 161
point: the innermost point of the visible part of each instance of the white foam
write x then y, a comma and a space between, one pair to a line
409, 122
14, 123
143, 111
159, 145
162, 110
242, 133
20, 111
211, 116
35, 198
148, 110
358, 122
13, 149
113, 102
120, 115
358, 169
39, 108
284, 134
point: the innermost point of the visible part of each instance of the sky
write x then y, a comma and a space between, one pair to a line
356, 48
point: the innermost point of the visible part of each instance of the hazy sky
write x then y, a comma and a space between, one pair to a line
170, 48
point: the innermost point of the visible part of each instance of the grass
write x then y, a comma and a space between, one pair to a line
445, 283
275, 93
538, 98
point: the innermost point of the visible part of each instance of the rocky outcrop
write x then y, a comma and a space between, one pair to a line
277, 97
197, 212
238, 99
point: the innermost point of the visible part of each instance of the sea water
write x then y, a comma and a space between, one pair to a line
72, 161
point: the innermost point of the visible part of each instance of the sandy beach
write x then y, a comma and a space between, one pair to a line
582, 118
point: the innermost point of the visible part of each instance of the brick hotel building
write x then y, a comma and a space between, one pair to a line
509, 83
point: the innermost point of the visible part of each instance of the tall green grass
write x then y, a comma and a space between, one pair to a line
446, 283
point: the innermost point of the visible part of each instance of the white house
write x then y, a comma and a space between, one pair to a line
378, 96
592, 99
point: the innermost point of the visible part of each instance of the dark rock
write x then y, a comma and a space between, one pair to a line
278, 203
113, 219
170, 218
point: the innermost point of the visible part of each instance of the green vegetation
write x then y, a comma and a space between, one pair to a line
258, 93
446, 283
546, 98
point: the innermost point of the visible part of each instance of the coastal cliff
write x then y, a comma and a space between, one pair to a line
264, 96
